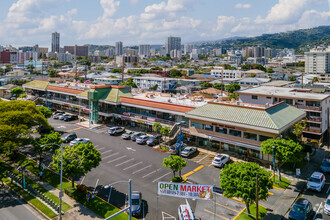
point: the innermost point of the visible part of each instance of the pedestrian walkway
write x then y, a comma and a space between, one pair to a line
77, 212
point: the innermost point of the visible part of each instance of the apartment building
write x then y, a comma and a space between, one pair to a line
164, 84
226, 74
317, 61
315, 105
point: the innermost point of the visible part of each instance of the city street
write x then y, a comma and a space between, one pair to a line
13, 208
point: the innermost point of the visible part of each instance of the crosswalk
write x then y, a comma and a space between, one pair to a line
130, 165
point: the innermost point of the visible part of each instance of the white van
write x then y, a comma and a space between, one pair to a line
185, 213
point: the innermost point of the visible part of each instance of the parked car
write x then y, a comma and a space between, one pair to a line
127, 135
327, 206
301, 210
57, 112
220, 160
116, 130
325, 166
188, 151
174, 150
316, 181
136, 203
79, 140
56, 116
153, 140
142, 139
69, 137
70, 118
136, 134
61, 117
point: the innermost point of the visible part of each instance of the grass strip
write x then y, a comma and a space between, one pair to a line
33, 200
244, 215
284, 183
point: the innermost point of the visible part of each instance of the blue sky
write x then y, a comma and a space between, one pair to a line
29, 22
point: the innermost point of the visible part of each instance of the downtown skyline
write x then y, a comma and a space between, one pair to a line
134, 22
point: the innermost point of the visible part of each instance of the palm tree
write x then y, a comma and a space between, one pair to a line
165, 131
157, 128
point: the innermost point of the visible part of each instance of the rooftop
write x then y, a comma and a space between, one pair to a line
304, 94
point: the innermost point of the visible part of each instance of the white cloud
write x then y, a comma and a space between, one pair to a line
134, 2
284, 12
109, 7
240, 5
312, 18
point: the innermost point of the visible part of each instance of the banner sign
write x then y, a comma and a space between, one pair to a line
188, 191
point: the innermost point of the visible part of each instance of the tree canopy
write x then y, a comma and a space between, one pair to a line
45, 111
78, 160
17, 118
174, 73
129, 82
239, 180
232, 87
17, 91
175, 163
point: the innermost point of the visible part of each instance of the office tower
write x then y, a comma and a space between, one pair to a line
144, 50
55, 42
76, 50
187, 48
172, 43
119, 48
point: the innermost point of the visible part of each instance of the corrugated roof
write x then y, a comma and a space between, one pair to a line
37, 84
275, 117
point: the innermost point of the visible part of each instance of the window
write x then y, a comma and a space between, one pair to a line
250, 136
196, 125
254, 97
268, 97
208, 127
235, 133
275, 99
263, 138
315, 125
221, 130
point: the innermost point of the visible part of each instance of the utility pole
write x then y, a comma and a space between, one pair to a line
302, 79
257, 197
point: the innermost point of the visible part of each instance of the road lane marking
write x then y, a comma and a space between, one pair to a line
151, 172
96, 146
124, 162
239, 213
194, 171
317, 212
97, 181
111, 155
216, 214
82, 180
227, 207
161, 177
101, 148
74, 129
106, 151
132, 165
116, 159
141, 169
202, 159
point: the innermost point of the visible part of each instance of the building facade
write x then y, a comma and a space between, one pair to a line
317, 61
77, 50
55, 42
119, 48
144, 50
172, 43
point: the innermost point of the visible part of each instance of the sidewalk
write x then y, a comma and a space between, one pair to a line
280, 208
77, 212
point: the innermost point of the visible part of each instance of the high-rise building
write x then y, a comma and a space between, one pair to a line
188, 49
172, 43
317, 61
76, 50
55, 42
119, 48
144, 50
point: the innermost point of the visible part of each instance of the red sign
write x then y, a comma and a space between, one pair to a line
127, 113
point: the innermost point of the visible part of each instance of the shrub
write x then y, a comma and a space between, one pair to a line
82, 188
177, 179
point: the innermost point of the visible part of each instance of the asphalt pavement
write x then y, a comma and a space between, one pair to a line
13, 208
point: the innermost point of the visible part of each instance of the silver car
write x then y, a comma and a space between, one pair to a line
79, 140
136, 203
142, 139
127, 135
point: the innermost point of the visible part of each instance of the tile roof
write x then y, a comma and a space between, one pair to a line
39, 84
154, 104
276, 117
64, 89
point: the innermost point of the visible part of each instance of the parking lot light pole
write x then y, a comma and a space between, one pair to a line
181, 138
274, 147
61, 192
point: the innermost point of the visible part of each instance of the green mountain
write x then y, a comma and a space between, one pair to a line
298, 39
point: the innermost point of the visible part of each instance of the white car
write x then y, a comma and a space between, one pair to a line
316, 181
327, 206
220, 160
188, 151
116, 130
79, 140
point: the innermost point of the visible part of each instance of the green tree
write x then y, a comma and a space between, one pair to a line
205, 85
315, 79
22, 96
239, 180
174, 73
16, 92
8, 68
129, 82
116, 70
233, 96
78, 160
175, 163
270, 70
17, 118
154, 87
45, 111
218, 86
298, 129
52, 73
165, 131
101, 68
42, 144
157, 127
232, 87
30, 68
286, 151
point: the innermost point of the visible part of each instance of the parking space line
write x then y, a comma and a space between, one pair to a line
116, 159
124, 162
151, 172
239, 213
202, 159
215, 214
101, 148
141, 169
160, 177
227, 207
132, 165
82, 180
194, 171
74, 129
111, 155
106, 151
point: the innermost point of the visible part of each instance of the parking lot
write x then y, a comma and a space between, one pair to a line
125, 159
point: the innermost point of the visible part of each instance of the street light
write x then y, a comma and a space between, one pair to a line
61, 192
274, 147
129, 202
